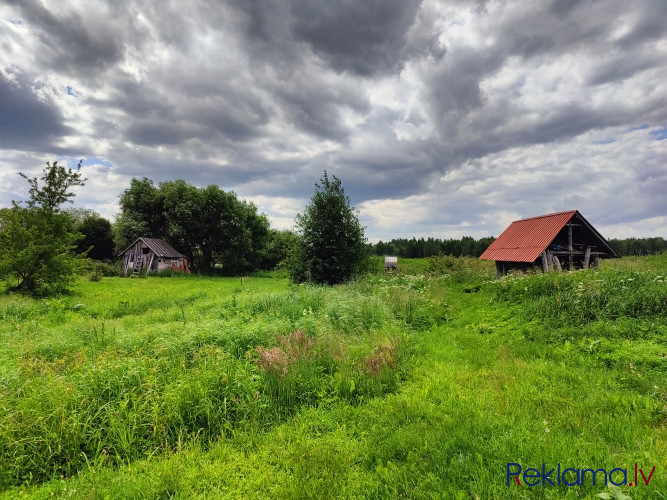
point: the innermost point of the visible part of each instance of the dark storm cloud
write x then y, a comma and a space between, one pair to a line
136, 100
26, 121
367, 39
69, 43
650, 25
315, 107
622, 66
364, 38
156, 134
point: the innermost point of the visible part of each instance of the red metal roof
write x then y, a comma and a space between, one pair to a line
524, 240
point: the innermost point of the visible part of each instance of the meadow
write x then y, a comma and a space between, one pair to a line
421, 384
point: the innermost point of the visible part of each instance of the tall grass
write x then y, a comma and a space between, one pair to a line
585, 296
108, 382
414, 385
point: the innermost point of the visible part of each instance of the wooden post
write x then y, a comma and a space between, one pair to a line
545, 262
557, 264
499, 271
587, 257
570, 247
596, 261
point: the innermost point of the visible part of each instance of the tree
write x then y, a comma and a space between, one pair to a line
332, 248
141, 213
37, 242
97, 237
54, 192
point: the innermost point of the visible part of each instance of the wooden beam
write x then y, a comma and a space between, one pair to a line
587, 257
569, 246
596, 261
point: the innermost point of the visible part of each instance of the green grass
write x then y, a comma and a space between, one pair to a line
418, 385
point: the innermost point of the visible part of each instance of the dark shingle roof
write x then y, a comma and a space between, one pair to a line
159, 247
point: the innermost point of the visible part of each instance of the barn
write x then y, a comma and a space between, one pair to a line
562, 240
153, 255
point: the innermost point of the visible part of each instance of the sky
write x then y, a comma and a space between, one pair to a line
441, 118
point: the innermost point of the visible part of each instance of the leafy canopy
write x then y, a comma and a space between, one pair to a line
332, 248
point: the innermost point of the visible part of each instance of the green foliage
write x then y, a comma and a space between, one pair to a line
37, 242
639, 246
54, 189
585, 296
280, 244
332, 246
141, 213
36, 251
431, 247
97, 242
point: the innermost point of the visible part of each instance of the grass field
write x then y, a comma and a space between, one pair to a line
425, 384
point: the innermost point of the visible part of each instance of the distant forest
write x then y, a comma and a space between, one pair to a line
470, 247
639, 246
430, 247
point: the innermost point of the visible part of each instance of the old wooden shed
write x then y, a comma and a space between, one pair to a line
153, 255
562, 240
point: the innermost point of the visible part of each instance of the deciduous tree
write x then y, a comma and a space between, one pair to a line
37, 242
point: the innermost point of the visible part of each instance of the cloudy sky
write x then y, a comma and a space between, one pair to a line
441, 118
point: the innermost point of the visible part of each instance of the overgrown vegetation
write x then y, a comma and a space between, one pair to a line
93, 379
423, 384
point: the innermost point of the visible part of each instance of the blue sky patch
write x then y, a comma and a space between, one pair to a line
72, 92
94, 160
660, 135
606, 141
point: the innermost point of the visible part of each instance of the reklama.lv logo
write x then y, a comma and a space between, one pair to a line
573, 477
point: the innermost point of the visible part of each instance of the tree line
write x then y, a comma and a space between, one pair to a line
418, 248
639, 246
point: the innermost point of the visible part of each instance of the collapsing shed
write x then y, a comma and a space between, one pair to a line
153, 255
562, 240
